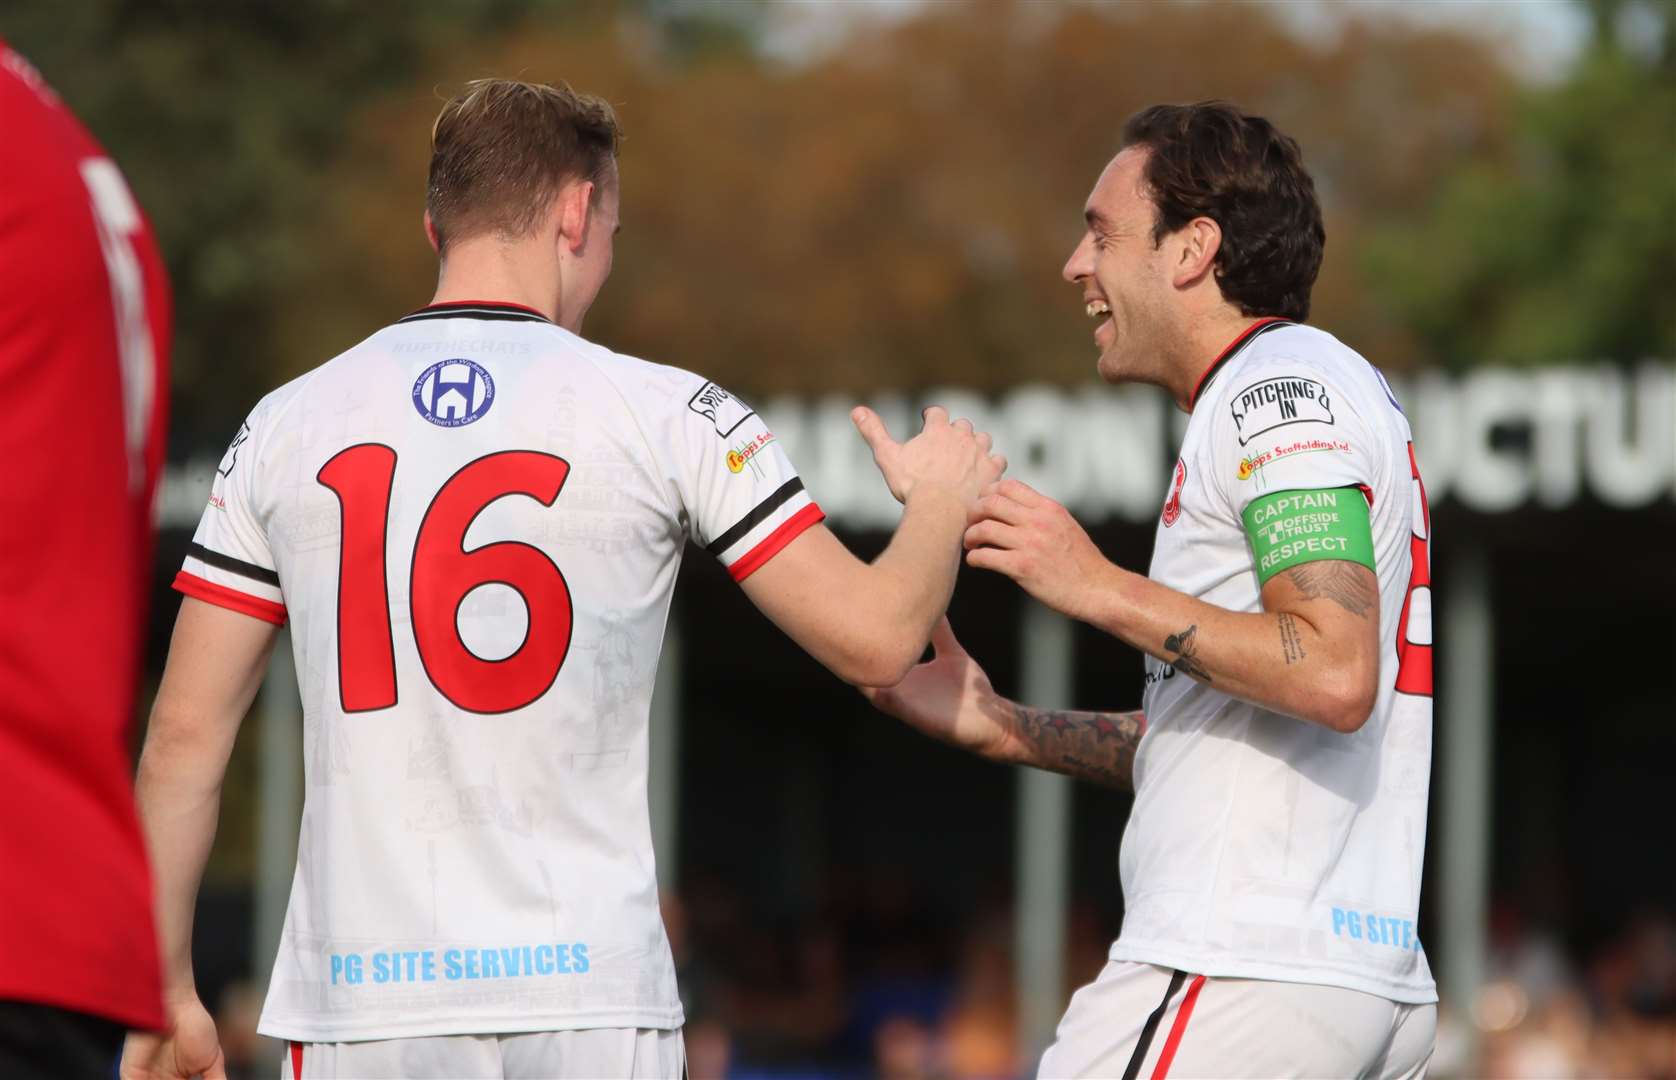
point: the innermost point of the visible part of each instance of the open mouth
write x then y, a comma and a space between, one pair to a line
1101, 311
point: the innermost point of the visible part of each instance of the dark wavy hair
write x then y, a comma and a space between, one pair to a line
1212, 160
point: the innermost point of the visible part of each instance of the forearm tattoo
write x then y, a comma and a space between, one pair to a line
1184, 647
1338, 581
1290, 643
1094, 746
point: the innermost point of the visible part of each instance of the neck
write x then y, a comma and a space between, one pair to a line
1201, 343
487, 270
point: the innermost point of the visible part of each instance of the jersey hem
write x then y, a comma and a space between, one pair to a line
233, 600
1235, 968
130, 1012
486, 1025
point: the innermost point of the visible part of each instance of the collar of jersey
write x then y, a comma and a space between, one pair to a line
1249, 334
477, 309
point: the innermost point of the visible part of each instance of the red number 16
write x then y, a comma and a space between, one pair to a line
443, 573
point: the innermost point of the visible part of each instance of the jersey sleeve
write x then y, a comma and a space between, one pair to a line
1295, 460
743, 498
229, 562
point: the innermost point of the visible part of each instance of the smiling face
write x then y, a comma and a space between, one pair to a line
1125, 276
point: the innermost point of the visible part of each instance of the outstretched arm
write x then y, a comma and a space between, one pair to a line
1311, 653
215, 665
950, 699
868, 623
1095, 746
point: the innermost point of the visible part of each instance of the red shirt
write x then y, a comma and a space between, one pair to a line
84, 339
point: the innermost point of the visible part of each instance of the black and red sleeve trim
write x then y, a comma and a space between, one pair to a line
759, 514
232, 599
772, 544
231, 565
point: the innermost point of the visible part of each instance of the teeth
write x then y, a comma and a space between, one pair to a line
1097, 308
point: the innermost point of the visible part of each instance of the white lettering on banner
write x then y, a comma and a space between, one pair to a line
1430, 403
1557, 419
1123, 439
1629, 464
1047, 441
835, 464
1105, 452
1318, 544
1489, 477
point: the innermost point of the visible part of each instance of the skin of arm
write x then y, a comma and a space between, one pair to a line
216, 662
1311, 653
950, 699
869, 623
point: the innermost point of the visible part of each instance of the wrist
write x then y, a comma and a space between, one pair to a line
1107, 600
1011, 748
934, 498
179, 989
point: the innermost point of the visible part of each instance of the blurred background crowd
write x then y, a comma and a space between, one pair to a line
833, 201
876, 984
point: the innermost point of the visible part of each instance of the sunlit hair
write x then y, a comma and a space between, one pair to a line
502, 149
1212, 160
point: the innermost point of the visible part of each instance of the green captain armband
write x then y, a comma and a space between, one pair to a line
1288, 528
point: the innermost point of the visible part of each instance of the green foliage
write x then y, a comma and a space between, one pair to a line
1563, 248
223, 116
892, 211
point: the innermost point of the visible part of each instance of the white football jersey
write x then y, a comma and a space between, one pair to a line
1262, 846
473, 521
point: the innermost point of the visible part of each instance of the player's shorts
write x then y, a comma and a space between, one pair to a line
591, 1053
43, 1042
1139, 1020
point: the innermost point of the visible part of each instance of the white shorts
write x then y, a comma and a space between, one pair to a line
1139, 1020
630, 1053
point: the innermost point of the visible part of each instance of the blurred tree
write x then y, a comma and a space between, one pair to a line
1562, 247
887, 204
893, 209
223, 116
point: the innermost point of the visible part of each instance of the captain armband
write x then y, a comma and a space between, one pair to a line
1288, 528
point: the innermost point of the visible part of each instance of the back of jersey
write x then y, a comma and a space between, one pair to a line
84, 348
474, 521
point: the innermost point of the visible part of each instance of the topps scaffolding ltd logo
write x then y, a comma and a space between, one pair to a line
1252, 463
1272, 403
721, 408
741, 456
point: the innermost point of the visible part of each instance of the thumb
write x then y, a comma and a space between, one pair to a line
872, 429
943, 641
218, 1068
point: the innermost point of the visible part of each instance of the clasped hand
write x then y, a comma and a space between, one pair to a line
1019, 532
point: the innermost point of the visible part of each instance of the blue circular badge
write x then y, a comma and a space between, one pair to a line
453, 393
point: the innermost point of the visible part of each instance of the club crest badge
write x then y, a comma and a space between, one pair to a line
453, 393
1172, 507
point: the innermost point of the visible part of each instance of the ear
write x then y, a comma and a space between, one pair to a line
430, 233
1200, 240
574, 203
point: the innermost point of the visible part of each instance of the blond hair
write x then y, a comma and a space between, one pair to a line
502, 149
